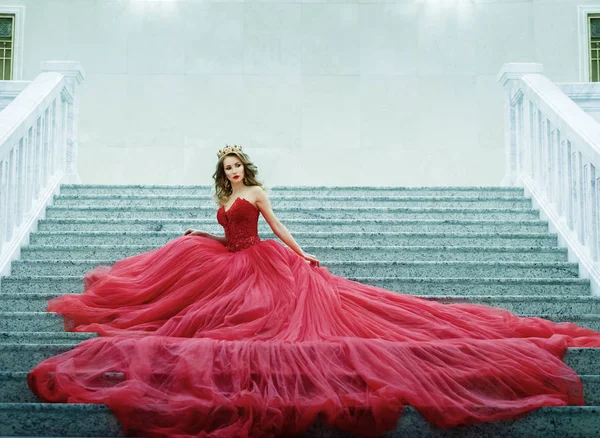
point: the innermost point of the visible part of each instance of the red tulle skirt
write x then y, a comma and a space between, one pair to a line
200, 341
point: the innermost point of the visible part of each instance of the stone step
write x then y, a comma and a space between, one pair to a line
418, 229
57, 420
591, 389
335, 253
51, 322
519, 304
86, 420
464, 286
433, 269
14, 389
313, 239
30, 322
555, 422
278, 202
467, 286
286, 213
496, 269
585, 361
45, 337
16, 357
299, 225
591, 321
314, 191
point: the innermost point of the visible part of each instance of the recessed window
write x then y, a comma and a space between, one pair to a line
7, 38
594, 46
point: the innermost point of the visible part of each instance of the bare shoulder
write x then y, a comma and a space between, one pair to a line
257, 192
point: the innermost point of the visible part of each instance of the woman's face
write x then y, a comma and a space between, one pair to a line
234, 169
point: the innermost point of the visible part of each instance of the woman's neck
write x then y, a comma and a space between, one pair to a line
238, 188
235, 193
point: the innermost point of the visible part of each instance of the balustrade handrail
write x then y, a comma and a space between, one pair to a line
577, 125
21, 114
38, 152
553, 151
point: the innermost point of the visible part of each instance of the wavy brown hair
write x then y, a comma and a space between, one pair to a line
222, 184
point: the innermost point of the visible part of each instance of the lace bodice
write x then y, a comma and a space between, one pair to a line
240, 223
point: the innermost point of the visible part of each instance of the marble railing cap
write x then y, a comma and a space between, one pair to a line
515, 70
68, 68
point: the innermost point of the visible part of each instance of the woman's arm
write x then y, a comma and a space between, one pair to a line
192, 232
264, 205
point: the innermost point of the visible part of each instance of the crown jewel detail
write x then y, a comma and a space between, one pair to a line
229, 149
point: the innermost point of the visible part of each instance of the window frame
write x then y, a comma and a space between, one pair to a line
18, 38
583, 12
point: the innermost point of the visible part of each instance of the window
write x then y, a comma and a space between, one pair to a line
588, 17
594, 47
7, 25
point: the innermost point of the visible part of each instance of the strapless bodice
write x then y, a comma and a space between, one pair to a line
240, 223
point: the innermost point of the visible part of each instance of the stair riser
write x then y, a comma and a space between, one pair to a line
481, 192
59, 420
14, 389
449, 271
524, 306
349, 254
294, 203
25, 357
529, 307
44, 338
130, 213
214, 228
31, 323
556, 424
435, 255
24, 268
70, 420
331, 240
591, 390
585, 361
473, 288
418, 287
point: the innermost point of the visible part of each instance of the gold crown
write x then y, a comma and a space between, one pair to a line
229, 149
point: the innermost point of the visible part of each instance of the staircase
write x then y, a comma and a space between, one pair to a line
455, 244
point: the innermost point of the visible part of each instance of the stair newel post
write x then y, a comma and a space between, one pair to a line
69, 115
508, 76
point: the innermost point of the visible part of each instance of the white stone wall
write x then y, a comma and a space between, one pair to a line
372, 92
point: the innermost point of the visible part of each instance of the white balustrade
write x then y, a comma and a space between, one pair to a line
9, 90
38, 151
553, 152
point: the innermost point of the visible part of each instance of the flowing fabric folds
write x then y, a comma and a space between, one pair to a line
200, 341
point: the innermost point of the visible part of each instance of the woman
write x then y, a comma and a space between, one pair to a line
234, 336
233, 181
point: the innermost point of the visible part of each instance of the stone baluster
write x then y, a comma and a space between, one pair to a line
507, 77
38, 152
552, 150
68, 108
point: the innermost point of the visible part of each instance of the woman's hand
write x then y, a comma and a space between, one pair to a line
311, 258
192, 232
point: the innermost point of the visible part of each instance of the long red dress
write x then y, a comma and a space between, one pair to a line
199, 339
